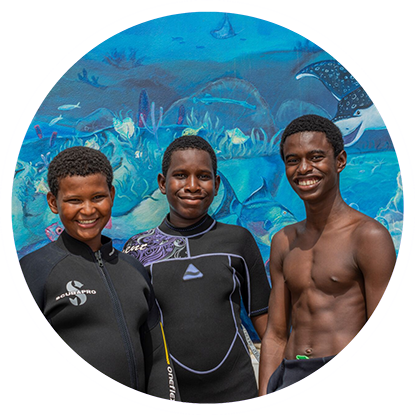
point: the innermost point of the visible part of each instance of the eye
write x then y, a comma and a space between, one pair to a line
205, 176
291, 161
357, 113
179, 175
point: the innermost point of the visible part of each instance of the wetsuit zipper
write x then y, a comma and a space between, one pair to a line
121, 322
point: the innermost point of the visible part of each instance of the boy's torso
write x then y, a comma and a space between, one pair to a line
326, 290
198, 279
91, 306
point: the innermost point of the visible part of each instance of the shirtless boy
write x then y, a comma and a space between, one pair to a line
329, 271
200, 270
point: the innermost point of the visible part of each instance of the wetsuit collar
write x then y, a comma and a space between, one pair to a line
199, 227
76, 247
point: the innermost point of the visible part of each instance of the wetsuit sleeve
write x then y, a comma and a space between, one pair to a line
160, 375
256, 288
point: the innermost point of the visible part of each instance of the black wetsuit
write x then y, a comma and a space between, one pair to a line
102, 305
199, 275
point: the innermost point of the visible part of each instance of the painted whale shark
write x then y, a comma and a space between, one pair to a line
355, 111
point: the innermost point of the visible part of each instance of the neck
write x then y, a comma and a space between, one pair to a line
323, 213
176, 223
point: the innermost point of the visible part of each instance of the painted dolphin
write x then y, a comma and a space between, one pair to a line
259, 213
355, 111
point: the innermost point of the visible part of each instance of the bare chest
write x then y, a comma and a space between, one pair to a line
326, 265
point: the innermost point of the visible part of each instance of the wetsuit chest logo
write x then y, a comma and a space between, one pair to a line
74, 290
191, 273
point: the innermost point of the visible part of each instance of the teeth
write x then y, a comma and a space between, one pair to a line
307, 182
84, 222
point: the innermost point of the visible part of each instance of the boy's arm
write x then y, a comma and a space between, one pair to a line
276, 334
376, 259
260, 324
256, 288
160, 376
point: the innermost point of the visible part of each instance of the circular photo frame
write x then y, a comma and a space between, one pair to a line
235, 80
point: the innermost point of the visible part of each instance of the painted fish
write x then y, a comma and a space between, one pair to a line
208, 99
68, 107
236, 136
53, 231
41, 186
335, 77
55, 120
92, 143
124, 128
192, 131
355, 110
356, 114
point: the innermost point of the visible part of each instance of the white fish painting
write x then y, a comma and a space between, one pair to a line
236, 136
69, 107
55, 120
124, 128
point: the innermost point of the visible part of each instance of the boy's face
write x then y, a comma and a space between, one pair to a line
84, 206
310, 164
190, 186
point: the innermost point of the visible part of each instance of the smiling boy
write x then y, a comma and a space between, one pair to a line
200, 269
99, 300
329, 271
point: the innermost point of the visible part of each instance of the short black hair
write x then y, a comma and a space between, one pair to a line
78, 161
184, 143
312, 122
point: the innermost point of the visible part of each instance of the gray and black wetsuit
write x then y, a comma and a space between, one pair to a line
199, 276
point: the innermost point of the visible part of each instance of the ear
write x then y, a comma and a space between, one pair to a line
341, 161
217, 184
52, 202
112, 193
161, 180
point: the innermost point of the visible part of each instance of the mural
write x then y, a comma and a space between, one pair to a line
236, 81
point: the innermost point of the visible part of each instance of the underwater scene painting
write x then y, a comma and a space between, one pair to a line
234, 80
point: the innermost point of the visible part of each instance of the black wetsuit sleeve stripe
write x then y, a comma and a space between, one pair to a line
160, 374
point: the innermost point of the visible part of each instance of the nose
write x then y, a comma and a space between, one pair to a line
88, 208
192, 184
304, 166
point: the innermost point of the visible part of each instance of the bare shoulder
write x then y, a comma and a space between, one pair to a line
369, 229
282, 240
372, 241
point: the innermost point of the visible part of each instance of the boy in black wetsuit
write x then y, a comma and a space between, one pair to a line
200, 269
99, 300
